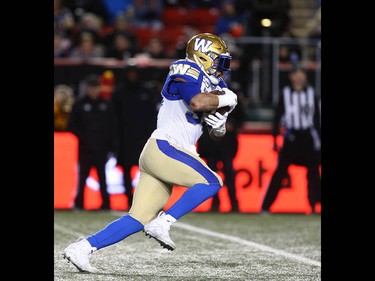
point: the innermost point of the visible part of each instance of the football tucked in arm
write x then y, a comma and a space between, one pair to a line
221, 110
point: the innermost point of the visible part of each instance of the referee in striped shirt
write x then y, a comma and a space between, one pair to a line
298, 114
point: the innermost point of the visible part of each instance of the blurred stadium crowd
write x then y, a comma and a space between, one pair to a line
159, 28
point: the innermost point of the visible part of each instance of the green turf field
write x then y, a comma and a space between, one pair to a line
210, 246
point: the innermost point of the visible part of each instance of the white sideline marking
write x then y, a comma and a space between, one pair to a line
241, 241
66, 230
247, 243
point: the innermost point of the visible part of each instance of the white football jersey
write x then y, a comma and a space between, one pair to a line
177, 122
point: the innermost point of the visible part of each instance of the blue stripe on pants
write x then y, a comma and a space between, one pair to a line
199, 192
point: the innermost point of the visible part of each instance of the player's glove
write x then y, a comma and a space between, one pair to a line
217, 122
228, 99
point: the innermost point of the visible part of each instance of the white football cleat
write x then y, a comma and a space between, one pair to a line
78, 253
158, 229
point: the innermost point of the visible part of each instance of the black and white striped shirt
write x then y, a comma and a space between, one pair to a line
297, 111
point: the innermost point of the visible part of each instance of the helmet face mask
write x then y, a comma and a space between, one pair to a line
220, 64
210, 52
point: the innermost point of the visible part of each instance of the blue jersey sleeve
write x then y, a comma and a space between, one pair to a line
183, 82
186, 90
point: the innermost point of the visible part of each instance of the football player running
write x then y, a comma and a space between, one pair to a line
170, 157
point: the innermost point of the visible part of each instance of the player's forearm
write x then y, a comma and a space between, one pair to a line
204, 102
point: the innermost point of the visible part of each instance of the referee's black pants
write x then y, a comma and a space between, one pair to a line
298, 151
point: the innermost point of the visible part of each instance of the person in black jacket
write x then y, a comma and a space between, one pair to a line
298, 113
135, 110
93, 121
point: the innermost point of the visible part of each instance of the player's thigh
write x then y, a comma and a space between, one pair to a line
150, 196
175, 165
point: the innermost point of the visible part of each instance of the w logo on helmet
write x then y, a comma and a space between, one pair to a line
202, 44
